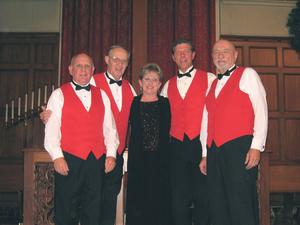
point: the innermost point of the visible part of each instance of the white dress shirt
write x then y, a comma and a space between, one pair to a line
251, 84
52, 141
115, 89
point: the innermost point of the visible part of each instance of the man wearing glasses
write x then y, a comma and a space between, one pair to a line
121, 94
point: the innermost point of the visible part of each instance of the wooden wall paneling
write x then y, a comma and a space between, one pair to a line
240, 58
11, 179
292, 92
27, 52
285, 178
261, 56
14, 83
292, 128
273, 140
270, 82
290, 58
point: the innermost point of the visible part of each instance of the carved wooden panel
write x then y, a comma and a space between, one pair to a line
44, 192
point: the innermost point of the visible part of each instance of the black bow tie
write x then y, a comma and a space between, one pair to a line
227, 73
78, 87
112, 81
187, 74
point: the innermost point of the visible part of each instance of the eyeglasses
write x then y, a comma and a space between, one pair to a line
117, 60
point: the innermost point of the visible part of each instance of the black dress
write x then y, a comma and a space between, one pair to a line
148, 189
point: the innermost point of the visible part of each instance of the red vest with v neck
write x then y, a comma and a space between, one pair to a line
121, 117
186, 114
231, 114
82, 131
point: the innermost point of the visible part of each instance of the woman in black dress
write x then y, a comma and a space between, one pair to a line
148, 191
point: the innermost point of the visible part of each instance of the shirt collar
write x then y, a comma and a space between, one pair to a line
188, 70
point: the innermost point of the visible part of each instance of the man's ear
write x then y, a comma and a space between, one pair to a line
106, 58
70, 70
236, 55
173, 58
193, 55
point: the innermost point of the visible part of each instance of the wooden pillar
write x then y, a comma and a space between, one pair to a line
264, 189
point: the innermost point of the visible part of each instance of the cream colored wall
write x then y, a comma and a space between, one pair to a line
30, 15
253, 17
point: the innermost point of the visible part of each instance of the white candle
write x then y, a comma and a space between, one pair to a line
6, 113
52, 87
32, 100
12, 109
39, 97
45, 95
25, 104
19, 106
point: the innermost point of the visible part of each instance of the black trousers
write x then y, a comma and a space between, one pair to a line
77, 196
110, 190
188, 184
233, 193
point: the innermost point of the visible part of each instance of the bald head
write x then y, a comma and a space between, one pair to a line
224, 55
81, 68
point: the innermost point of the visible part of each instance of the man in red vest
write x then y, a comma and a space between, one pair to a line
186, 92
235, 124
121, 94
80, 131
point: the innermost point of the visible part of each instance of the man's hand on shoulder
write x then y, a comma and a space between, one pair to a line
45, 114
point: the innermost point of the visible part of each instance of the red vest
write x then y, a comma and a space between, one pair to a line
231, 114
82, 131
187, 113
121, 117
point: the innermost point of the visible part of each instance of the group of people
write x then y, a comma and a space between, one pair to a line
193, 149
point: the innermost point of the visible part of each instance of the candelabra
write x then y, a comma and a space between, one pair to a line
16, 112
